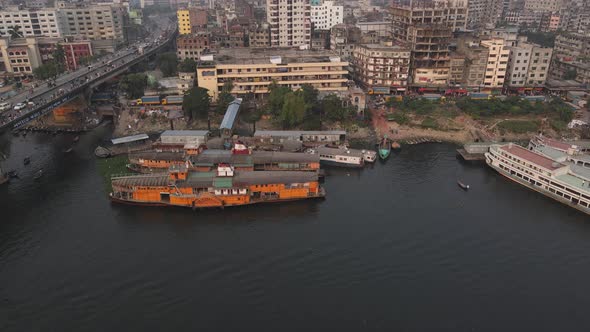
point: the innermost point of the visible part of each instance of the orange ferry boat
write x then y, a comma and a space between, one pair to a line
223, 187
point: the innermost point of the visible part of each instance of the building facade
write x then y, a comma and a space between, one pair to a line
192, 46
326, 15
94, 22
252, 71
498, 56
290, 22
30, 22
381, 69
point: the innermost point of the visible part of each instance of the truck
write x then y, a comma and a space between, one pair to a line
149, 100
173, 100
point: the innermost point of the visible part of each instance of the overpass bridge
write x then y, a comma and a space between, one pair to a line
70, 85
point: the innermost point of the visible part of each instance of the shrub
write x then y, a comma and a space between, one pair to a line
519, 126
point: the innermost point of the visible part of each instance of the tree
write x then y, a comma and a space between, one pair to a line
293, 111
196, 103
225, 97
59, 57
45, 71
168, 64
310, 94
276, 97
332, 108
188, 65
570, 74
134, 85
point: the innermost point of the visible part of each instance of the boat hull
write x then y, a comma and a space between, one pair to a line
340, 164
539, 190
384, 153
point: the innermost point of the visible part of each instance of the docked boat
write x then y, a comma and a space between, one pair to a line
369, 156
564, 181
102, 152
340, 156
395, 146
384, 148
220, 188
38, 175
68, 150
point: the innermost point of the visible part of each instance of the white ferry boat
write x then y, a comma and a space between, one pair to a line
565, 181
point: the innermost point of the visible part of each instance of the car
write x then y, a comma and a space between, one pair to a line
19, 106
4, 106
30, 104
2, 84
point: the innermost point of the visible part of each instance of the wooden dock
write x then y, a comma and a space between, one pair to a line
474, 151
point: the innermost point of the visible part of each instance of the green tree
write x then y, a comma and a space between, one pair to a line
293, 111
276, 97
188, 65
46, 70
310, 94
332, 108
168, 64
59, 57
225, 97
570, 74
134, 85
196, 103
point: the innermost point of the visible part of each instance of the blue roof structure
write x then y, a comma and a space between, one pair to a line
231, 114
129, 139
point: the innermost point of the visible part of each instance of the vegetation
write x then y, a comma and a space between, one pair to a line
225, 97
168, 64
187, 65
108, 167
429, 122
46, 70
399, 117
419, 106
196, 103
558, 125
545, 39
293, 110
134, 85
519, 126
515, 106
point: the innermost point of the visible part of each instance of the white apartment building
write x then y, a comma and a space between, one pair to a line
290, 22
30, 23
498, 56
326, 15
543, 5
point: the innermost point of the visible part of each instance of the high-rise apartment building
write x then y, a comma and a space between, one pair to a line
482, 12
30, 22
543, 5
326, 15
103, 21
191, 20
290, 22
381, 69
498, 56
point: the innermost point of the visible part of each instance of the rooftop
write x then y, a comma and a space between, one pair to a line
231, 114
265, 55
385, 47
296, 133
129, 139
532, 157
185, 133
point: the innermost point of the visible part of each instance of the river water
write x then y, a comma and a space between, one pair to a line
397, 246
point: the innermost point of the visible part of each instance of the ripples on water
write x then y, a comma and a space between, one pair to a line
396, 246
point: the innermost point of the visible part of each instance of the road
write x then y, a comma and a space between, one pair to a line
44, 95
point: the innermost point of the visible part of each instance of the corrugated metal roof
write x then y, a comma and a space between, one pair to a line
297, 133
231, 114
185, 133
152, 155
129, 139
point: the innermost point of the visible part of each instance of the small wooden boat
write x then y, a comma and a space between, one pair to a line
68, 150
384, 148
38, 175
76, 139
27, 160
396, 146
463, 185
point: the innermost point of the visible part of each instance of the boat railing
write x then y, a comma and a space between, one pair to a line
122, 175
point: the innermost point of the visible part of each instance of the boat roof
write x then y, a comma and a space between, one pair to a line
153, 155
185, 133
339, 151
129, 139
231, 114
575, 181
214, 157
209, 179
550, 152
532, 157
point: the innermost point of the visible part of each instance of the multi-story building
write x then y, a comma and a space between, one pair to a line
543, 5
476, 61
571, 46
30, 22
320, 39
575, 19
259, 35
252, 70
549, 21
192, 46
498, 56
102, 21
381, 29
290, 22
326, 15
191, 20
431, 60
343, 39
75, 51
482, 12
572, 70
381, 69
457, 70
509, 34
